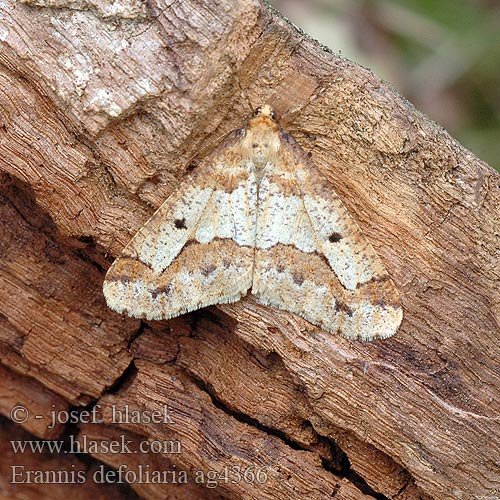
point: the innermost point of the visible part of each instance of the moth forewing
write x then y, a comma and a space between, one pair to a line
197, 248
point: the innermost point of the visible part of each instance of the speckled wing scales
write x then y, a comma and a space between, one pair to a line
198, 247
311, 257
257, 214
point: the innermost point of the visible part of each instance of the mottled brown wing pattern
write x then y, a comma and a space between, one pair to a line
197, 248
257, 214
311, 257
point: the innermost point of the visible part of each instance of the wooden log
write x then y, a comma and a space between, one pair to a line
56, 327
104, 108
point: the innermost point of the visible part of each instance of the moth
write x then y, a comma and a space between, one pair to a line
257, 216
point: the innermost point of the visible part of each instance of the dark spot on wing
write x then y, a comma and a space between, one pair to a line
208, 270
334, 237
298, 278
180, 223
125, 279
341, 306
280, 268
157, 291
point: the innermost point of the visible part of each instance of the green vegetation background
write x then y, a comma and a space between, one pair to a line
442, 55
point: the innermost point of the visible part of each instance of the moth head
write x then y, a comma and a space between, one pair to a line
264, 117
265, 111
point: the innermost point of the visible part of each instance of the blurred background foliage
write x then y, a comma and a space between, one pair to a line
442, 55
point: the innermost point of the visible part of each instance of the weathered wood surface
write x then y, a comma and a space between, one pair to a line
104, 107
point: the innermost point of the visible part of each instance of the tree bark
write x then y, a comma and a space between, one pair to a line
104, 108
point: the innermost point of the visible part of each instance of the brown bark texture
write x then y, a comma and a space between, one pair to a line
104, 107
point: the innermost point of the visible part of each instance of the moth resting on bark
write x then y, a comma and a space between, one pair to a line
257, 216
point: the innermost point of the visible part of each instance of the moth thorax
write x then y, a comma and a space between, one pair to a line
262, 146
261, 156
